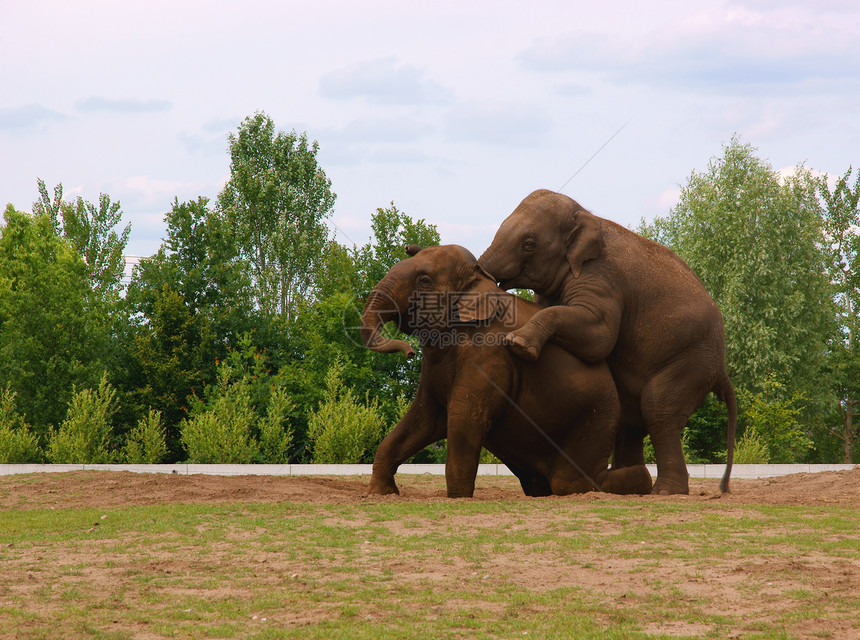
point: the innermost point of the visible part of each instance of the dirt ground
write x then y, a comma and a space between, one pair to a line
615, 580
101, 489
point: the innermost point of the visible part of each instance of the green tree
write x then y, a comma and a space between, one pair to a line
392, 231
91, 231
755, 241
147, 442
343, 429
276, 201
222, 432
842, 234
243, 417
773, 416
18, 444
53, 333
84, 437
188, 305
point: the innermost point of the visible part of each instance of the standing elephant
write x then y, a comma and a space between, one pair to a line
552, 421
610, 294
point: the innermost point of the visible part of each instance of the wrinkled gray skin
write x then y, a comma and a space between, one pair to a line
611, 294
552, 422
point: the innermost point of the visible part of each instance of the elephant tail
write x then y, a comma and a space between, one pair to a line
725, 391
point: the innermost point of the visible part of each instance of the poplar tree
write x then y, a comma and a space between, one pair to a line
276, 202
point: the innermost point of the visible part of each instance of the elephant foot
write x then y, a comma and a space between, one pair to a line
665, 487
521, 347
382, 487
628, 480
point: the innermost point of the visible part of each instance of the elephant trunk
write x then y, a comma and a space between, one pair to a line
493, 262
378, 310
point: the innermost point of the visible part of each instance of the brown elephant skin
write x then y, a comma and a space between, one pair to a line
552, 421
610, 294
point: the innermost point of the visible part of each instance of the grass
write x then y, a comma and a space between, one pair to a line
440, 569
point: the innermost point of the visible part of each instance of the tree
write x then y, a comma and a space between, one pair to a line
147, 442
188, 304
754, 239
53, 333
392, 231
343, 429
276, 201
326, 331
84, 437
772, 421
243, 417
18, 444
90, 230
842, 234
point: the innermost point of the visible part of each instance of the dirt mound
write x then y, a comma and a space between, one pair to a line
828, 487
100, 489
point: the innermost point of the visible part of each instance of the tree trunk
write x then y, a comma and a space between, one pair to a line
849, 434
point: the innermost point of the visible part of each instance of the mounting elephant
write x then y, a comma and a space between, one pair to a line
610, 294
552, 422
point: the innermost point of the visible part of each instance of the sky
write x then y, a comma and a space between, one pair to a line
453, 111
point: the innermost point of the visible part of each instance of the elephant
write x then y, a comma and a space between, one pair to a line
552, 421
609, 294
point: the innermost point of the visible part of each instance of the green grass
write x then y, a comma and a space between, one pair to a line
440, 569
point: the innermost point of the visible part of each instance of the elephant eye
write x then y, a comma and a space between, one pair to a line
528, 245
425, 280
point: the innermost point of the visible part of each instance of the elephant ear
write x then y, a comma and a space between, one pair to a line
584, 240
482, 302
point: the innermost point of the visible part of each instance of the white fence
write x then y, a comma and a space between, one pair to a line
695, 470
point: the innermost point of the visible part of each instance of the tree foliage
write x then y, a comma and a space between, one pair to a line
243, 417
189, 303
343, 429
238, 340
773, 420
18, 443
842, 245
53, 330
84, 437
276, 201
147, 442
754, 239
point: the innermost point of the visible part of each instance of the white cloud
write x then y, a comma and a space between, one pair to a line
734, 48
121, 105
668, 199
382, 81
498, 125
28, 117
378, 129
142, 192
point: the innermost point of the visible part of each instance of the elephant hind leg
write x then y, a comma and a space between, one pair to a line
627, 480
668, 401
533, 483
628, 450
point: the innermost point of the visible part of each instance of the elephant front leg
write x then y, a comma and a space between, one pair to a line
480, 393
588, 331
461, 465
528, 341
470, 415
421, 426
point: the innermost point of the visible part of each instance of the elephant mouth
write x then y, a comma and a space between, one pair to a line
510, 283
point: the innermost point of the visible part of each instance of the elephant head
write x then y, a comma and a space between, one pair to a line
435, 291
547, 237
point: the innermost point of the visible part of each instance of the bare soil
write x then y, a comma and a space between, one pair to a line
99, 489
753, 589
